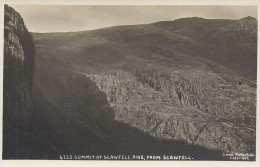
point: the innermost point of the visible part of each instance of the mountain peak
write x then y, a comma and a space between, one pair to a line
249, 18
249, 22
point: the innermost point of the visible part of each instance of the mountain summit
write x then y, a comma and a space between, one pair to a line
191, 79
182, 87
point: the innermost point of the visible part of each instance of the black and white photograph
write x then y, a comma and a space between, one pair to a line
129, 82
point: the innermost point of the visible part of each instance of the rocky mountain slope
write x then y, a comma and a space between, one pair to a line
182, 87
18, 76
191, 80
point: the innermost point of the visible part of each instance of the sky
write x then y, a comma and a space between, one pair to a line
65, 18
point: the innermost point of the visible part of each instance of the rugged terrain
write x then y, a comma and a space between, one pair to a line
191, 79
182, 87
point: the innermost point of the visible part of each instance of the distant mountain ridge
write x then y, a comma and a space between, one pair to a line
246, 24
202, 36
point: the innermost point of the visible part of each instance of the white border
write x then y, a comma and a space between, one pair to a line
36, 163
135, 2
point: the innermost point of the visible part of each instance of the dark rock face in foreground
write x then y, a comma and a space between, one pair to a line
18, 76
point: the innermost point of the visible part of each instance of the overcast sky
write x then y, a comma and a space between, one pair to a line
46, 18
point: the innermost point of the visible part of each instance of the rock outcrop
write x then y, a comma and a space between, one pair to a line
18, 76
194, 107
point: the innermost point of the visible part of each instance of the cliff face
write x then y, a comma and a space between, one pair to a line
18, 76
